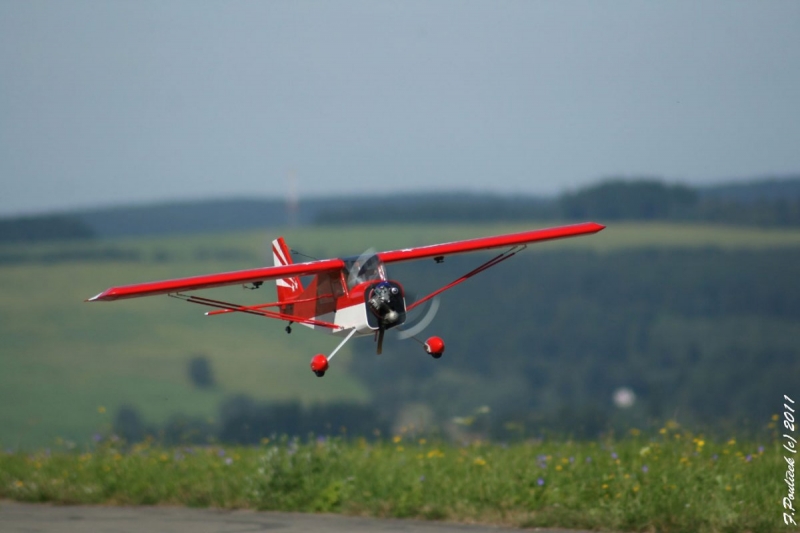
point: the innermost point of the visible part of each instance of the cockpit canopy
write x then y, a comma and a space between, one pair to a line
365, 267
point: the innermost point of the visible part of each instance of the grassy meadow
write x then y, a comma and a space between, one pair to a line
670, 481
66, 366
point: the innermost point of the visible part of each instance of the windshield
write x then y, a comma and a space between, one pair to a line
363, 268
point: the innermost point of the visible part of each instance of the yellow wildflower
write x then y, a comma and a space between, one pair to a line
480, 461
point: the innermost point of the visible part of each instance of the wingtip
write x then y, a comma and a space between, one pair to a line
596, 226
97, 297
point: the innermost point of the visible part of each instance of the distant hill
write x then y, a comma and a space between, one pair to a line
45, 228
754, 190
766, 202
438, 207
244, 214
193, 217
186, 217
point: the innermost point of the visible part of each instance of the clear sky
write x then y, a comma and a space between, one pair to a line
113, 102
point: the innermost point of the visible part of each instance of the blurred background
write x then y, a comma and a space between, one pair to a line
156, 140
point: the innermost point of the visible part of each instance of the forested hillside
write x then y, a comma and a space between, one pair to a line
44, 228
704, 336
766, 203
773, 202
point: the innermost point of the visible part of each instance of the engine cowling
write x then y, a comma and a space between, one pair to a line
319, 364
387, 305
435, 346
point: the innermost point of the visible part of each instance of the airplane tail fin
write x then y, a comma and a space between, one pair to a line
288, 288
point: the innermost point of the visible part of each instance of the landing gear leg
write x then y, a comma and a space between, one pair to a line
319, 363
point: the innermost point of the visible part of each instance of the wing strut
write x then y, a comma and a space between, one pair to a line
252, 310
511, 252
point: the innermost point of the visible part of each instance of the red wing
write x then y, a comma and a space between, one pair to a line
487, 243
218, 280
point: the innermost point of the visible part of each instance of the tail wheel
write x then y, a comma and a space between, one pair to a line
319, 364
435, 347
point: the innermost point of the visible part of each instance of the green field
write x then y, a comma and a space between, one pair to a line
671, 481
66, 366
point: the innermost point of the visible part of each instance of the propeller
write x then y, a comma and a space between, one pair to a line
422, 323
352, 277
381, 331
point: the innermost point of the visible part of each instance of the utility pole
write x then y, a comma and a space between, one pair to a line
292, 199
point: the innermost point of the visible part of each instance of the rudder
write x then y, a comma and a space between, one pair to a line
288, 288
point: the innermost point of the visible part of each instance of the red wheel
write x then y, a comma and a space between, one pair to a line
435, 347
319, 364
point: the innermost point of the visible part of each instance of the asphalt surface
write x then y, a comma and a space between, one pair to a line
42, 518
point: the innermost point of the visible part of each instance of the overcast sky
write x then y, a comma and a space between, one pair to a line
124, 102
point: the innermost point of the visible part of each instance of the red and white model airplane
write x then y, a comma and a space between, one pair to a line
351, 296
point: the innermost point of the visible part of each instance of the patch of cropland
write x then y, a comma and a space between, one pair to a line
594, 308
671, 481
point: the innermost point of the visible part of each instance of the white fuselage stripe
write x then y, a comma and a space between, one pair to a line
346, 318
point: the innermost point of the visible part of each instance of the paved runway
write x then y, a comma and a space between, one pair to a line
42, 518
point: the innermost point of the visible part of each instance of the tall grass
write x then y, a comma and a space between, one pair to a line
671, 481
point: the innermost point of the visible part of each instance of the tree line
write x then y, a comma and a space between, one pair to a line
703, 335
774, 202
610, 200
